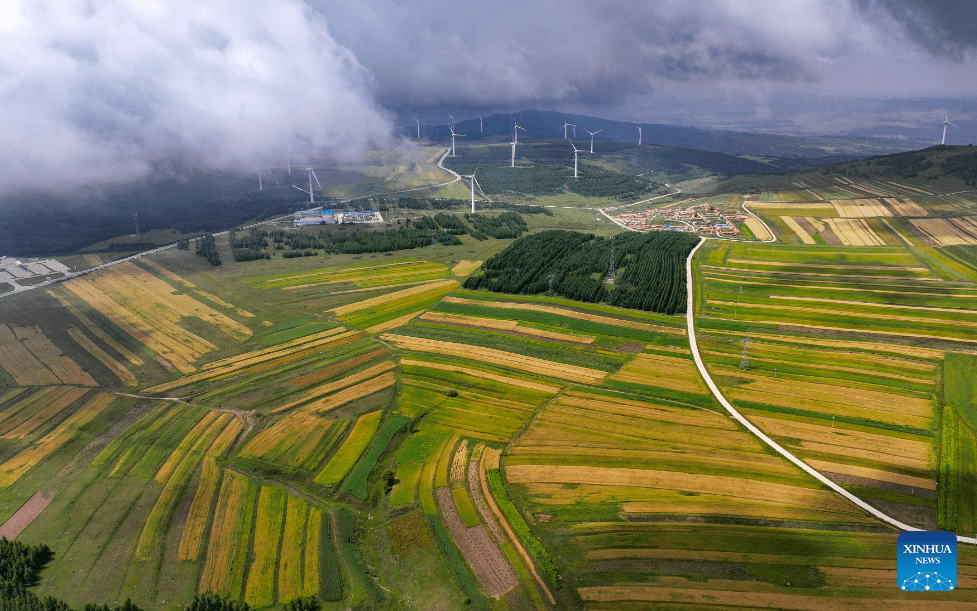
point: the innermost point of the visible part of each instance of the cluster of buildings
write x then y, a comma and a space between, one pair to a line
700, 218
12, 269
318, 216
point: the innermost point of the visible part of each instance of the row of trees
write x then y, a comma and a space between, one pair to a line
506, 226
207, 248
575, 265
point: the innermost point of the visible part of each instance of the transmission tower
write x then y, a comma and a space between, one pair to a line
745, 361
610, 265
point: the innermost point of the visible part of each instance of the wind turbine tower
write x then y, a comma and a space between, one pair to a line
260, 188
418, 128
592, 137
480, 130
513, 154
310, 192
575, 151
639, 135
474, 182
453, 134
946, 121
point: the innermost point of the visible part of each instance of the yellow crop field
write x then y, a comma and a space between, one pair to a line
365, 276
234, 364
199, 514
860, 208
805, 209
125, 376
535, 307
396, 295
804, 236
15, 414
348, 395
465, 267
208, 428
175, 474
260, 589
41, 347
149, 309
876, 474
456, 476
844, 442
733, 487
505, 325
223, 571
854, 232
348, 453
23, 367
905, 207
758, 228
291, 563
42, 410
17, 466
400, 321
561, 371
97, 331
661, 371
313, 532
943, 232
156, 267
483, 374
325, 389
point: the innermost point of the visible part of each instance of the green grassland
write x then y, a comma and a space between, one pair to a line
299, 453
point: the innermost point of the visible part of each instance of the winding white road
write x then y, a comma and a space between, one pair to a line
690, 322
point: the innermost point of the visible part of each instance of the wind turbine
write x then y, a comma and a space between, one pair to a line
288, 160
474, 181
639, 135
575, 151
260, 188
515, 132
480, 130
513, 153
592, 137
452, 122
565, 124
418, 128
453, 134
311, 176
946, 121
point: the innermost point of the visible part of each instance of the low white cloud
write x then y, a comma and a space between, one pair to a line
96, 90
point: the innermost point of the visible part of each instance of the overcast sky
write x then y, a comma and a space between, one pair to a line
97, 89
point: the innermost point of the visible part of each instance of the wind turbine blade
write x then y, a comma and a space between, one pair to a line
316, 178
300, 189
957, 126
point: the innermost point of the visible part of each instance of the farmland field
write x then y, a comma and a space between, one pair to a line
363, 429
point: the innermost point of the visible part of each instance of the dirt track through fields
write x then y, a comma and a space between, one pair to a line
25, 515
488, 563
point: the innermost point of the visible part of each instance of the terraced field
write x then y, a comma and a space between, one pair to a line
363, 430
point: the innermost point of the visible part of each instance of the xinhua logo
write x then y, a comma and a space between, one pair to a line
927, 561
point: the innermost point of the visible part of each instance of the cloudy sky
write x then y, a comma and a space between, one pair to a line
96, 90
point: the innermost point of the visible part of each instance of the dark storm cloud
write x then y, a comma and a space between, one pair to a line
98, 90
947, 27
507, 52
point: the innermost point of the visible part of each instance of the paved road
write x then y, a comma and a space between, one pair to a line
690, 323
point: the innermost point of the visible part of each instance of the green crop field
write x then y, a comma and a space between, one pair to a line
361, 428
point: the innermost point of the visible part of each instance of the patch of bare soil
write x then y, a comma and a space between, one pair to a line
914, 515
481, 553
25, 515
632, 347
841, 478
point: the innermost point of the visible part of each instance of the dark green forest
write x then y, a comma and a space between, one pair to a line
650, 268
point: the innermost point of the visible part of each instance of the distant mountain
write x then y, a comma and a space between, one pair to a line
548, 124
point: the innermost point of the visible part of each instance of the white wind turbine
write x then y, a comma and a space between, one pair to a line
946, 121
592, 137
515, 131
575, 151
567, 123
260, 188
480, 130
639, 135
453, 134
311, 176
474, 182
418, 128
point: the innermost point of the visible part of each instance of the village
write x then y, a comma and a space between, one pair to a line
700, 218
